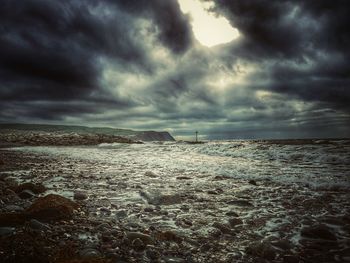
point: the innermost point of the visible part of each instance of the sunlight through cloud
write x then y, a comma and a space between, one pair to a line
209, 30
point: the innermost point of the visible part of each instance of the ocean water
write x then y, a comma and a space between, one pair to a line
321, 164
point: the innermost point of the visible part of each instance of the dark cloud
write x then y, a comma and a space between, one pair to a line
136, 64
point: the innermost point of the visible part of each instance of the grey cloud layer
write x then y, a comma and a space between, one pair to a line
136, 64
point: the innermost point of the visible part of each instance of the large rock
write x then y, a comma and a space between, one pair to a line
51, 207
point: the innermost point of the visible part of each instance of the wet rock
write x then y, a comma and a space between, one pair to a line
37, 225
26, 194
290, 259
35, 188
253, 182
225, 229
148, 209
7, 231
12, 219
239, 203
261, 249
161, 199
174, 260
89, 253
169, 236
138, 244
231, 213
235, 221
282, 244
146, 239
13, 208
318, 232
121, 214
183, 178
52, 207
152, 254
151, 174
80, 196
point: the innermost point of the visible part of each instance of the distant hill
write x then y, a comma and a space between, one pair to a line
136, 135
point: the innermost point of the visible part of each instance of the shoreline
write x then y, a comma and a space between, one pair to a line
172, 218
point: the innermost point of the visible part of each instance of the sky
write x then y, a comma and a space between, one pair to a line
229, 69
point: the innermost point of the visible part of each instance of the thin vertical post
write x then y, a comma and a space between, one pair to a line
196, 136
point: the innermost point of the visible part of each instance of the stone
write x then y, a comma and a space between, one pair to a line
37, 225
261, 249
89, 253
318, 232
35, 188
80, 196
169, 236
235, 221
26, 194
14, 208
183, 178
174, 260
239, 203
225, 229
290, 259
253, 182
7, 231
138, 244
150, 174
51, 207
146, 239
232, 213
121, 214
12, 219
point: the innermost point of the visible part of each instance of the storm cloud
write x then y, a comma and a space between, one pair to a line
137, 64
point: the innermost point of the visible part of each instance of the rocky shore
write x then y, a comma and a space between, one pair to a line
56, 209
42, 138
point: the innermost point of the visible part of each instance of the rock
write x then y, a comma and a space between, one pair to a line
174, 260
148, 209
235, 221
138, 244
150, 174
121, 214
253, 182
261, 249
282, 244
12, 219
51, 207
89, 253
183, 178
35, 188
26, 194
239, 203
7, 231
318, 232
146, 239
225, 229
290, 259
168, 236
37, 225
80, 196
161, 199
14, 208
232, 213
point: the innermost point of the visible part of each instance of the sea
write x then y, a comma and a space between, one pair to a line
318, 163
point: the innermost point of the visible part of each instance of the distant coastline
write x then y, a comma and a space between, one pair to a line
66, 135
